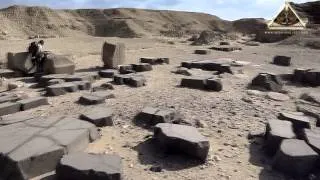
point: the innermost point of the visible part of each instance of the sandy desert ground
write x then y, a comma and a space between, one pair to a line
227, 117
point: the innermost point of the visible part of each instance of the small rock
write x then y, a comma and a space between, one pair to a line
278, 96
156, 168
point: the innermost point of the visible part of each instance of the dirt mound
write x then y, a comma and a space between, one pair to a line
250, 25
311, 40
23, 21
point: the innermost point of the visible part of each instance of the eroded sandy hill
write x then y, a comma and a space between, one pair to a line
22, 21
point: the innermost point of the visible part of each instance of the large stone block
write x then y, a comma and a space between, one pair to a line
282, 60
268, 82
82, 166
89, 99
154, 61
180, 138
61, 89
100, 116
312, 137
152, 116
137, 81
299, 121
214, 85
34, 147
295, 158
9, 108
194, 82
33, 103
113, 55
202, 51
142, 67
107, 73
21, 62
276, 132
58, 64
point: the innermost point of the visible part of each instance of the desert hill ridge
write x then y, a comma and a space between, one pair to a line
25, 21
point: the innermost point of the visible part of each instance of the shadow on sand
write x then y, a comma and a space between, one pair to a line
150, 153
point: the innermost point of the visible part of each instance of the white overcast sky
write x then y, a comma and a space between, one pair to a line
226, 9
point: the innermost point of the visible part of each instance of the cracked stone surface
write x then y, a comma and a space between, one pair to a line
35, 146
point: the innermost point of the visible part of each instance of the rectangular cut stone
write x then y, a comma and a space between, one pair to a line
194, 82
101, 116
33, 103
113, 55
9, 108
276, 131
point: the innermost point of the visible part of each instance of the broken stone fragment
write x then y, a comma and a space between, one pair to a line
83, 166
295, 158
182, 139
276, 132
100, 116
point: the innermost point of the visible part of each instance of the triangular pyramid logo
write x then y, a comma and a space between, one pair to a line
287, 19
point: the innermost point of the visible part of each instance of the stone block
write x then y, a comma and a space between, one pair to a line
113, 55
9, 108
295, 158
276, 132
82, 166
282, 60
32, 103
182, 139
101, 116
58, 64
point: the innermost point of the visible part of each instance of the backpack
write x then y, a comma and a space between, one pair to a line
33, 48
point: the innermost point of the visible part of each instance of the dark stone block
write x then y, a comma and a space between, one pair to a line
312, 77
142, 67
282, 60
89, 99
154, 61
101, 116
214, 85
151, 116
83, 85
202, 51
126, 69
276, 132
180, 138
224, 43
82, 166
194, 82
7, 73
107, 73
137, 81
295, 158
299, 121
9, 108
61, 89
267, 81
9, 98
55, 81
33, 103
119, 79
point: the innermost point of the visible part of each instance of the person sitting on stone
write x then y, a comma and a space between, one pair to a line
37, 54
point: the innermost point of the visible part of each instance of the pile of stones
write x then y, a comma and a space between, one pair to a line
11, 103
292, 143
133, 80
